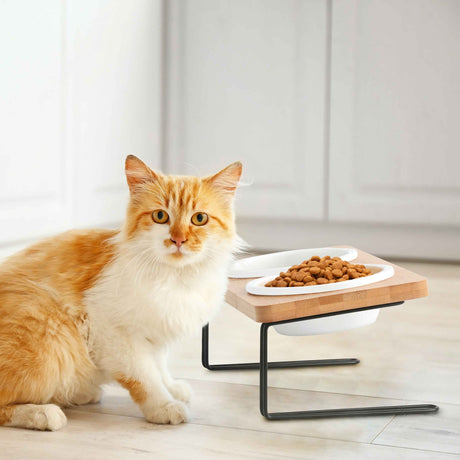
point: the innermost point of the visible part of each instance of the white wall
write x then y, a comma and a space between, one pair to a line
80, 87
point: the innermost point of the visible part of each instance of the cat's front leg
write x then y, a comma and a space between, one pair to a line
142, 377
179, 389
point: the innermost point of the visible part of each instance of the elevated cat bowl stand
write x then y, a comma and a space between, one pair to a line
283, 310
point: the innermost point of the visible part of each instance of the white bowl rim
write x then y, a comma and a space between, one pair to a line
346, 254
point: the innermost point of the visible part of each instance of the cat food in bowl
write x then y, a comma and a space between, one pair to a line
378, 272
319, 270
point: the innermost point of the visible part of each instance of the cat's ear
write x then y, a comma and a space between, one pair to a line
226, 181
137, 173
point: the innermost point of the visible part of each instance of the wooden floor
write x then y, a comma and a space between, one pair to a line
411, 355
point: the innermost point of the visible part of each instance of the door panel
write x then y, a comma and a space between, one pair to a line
395, 106
246, 81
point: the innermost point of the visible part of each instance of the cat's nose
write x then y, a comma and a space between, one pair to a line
178, 240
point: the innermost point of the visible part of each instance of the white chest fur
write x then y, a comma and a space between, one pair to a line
161, 304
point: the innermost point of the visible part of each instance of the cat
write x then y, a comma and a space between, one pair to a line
91, 306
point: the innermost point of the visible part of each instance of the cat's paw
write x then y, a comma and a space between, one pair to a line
180, 390
173, 412
55, 418
41, 417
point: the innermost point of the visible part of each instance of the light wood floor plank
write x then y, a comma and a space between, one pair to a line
440, 433
236, 406
100, 436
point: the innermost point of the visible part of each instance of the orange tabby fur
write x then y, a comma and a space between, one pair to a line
135, 388
45, 356
41, 291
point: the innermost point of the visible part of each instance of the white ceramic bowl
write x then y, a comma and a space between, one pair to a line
379, 273
329, 324
267, 264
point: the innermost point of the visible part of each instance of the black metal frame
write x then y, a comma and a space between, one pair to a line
264, 365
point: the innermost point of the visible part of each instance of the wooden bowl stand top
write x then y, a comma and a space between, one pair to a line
404, 285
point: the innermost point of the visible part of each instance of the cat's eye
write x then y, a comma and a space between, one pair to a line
160, 217
199, 218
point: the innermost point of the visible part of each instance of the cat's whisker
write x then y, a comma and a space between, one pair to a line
144, 264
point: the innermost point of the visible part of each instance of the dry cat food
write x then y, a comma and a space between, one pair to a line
319, 270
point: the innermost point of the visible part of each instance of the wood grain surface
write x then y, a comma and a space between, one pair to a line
404, 285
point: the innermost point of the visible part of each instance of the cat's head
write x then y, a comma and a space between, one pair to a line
180, 220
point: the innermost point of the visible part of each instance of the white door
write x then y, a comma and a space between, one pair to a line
395, 111
246, 81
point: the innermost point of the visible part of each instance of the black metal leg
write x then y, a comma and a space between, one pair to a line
272, 365
264, 365
346, 412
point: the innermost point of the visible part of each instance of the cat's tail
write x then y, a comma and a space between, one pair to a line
34, 416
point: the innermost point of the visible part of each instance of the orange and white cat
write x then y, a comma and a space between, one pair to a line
90, 306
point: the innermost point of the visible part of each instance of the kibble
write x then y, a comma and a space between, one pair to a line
319, 270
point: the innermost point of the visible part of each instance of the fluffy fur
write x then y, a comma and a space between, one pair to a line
86, 307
